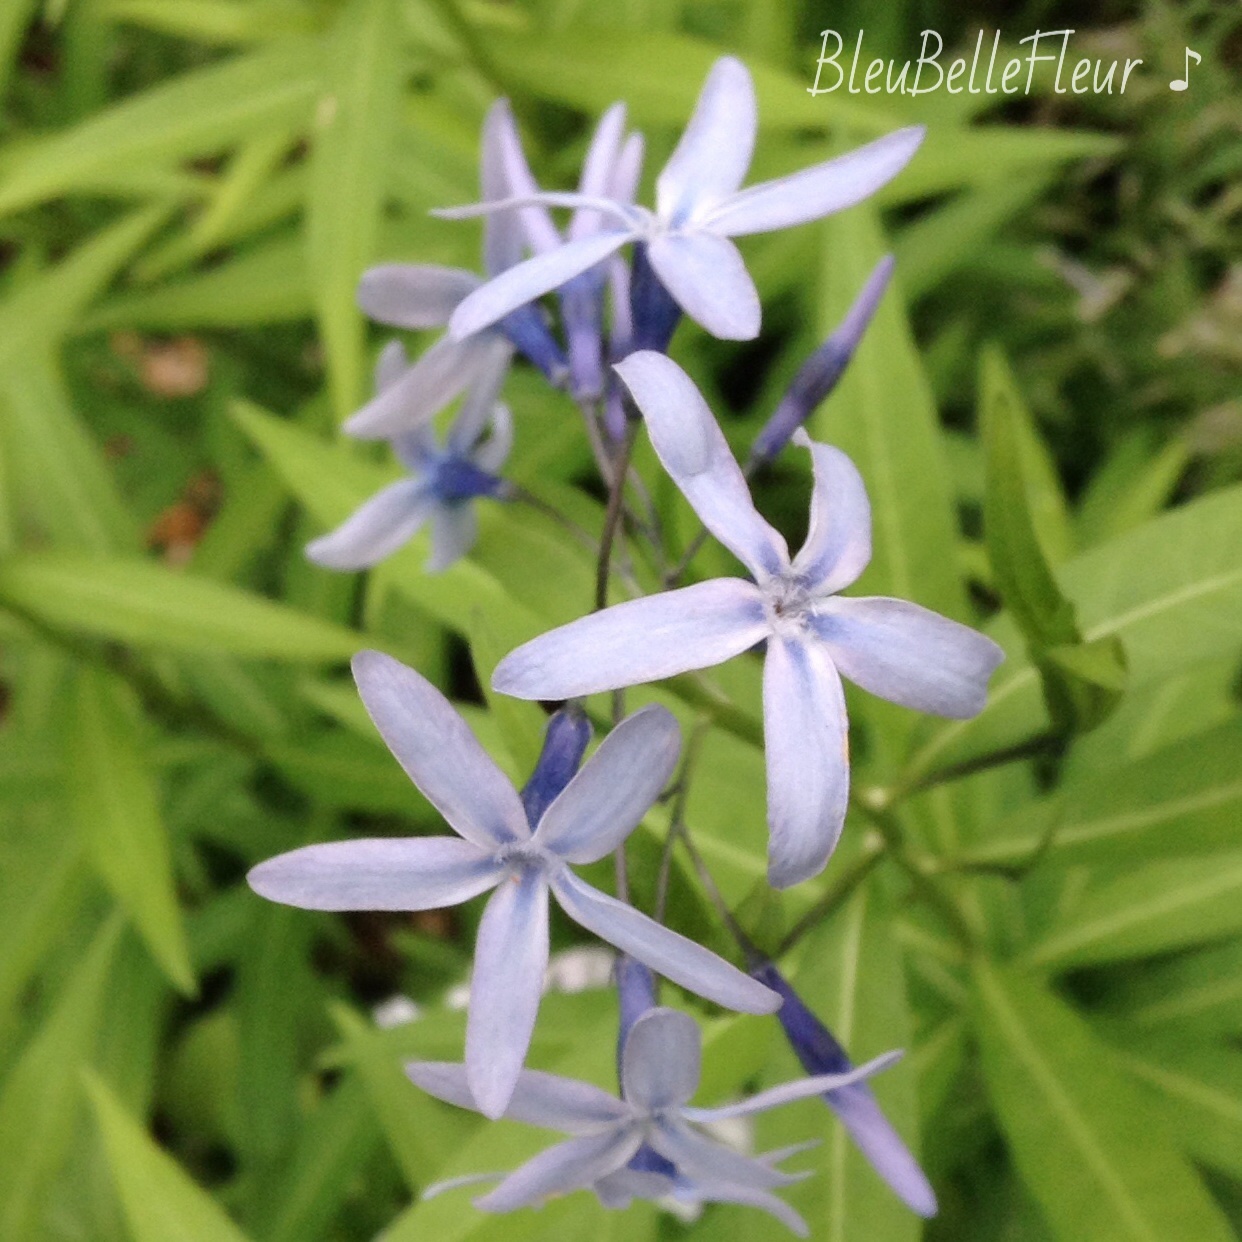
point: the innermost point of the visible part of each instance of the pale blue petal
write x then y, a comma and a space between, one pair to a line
627, 170
539, 1099
494, 451
714, 152
693, 449
701, 1160
413, 295
479, 406
815, 192
398, 873
908, 654
530, 280
787, 1092
661, 1060
640, 640
386, 522
510, 958
390, 365
444, 371
598, 170
439, 753
838, 542
721, 1191
708, 280
506, 174
806, 743
572, 1165
616, 787
883, 1147
619, 1189
456, 1183
454, 528
693, 967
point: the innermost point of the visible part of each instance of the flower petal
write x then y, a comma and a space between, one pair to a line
446, 369
693, 449
399, 873
722, 1191
661, 1061
640, 640
598, 170
807, 749
572, 1165
510, 957
530, 280
699, 1159
838, 543
390, 365
480, 404
454, 529
787, 1092
413, 295
390, 519
708, 279
693, 967
715, 149
908, 654
815, 192
439, 753
539, 1099
605, 801
506, 174
493, 452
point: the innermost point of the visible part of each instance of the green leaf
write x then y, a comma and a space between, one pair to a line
149, 606
214, 21
40, 1096
349, 168
201, 111
1150, 909
1170, 590
13, 20
1181, 799
161, 1201
115, 804
853, 978
1091, 1150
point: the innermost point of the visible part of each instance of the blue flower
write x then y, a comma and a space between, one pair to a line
892, 648
442, 483
659, 1075
820, 1053
405, 295
699, 208
497, 849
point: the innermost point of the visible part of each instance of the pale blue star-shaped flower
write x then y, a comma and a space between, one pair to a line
499, 848
442, 484
660, 1069
406, 295
895, 649
699, 208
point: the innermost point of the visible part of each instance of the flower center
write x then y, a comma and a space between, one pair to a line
787, 603
522, 857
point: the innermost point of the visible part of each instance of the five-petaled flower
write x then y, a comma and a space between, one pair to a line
422, 295
645, 1143
699, 207
442, 484
895, 649
497, 849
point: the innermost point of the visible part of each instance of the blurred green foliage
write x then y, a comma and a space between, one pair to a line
189, 190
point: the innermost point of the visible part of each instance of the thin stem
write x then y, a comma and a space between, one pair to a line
846, 882
677, 816
1046, 742
612, 516
749, 950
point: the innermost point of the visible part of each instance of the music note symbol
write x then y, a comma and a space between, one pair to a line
1180, 84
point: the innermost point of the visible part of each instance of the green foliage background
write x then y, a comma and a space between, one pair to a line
189, 190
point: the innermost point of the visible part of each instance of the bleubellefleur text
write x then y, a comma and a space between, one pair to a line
983, 73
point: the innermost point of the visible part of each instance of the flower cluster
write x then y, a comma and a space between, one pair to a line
616, 320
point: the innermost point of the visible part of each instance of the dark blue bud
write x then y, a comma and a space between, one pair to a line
647, 1160
652, 310
529, 334
564, 743
582, 313
819, 374
636, 993
821, 1053
458, 478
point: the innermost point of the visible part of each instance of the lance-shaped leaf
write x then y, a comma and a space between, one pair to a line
162, 1203
1082, 681
1090, 1148
115, 804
